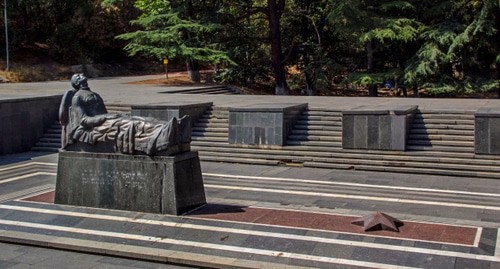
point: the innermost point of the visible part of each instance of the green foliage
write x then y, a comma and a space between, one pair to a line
455, 54
168, 33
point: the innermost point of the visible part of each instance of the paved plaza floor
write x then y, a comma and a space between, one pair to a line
262, 216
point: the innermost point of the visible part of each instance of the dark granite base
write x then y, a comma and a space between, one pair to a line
160, 184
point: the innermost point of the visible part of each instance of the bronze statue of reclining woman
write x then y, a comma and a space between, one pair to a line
89, 127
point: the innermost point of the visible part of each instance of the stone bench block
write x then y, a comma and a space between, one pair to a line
166, 111
263, 124
487, 131
377, 128
160, 184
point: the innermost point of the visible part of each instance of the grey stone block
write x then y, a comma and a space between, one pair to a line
382, 128
347, 131
161, 184
487, 131
262, 124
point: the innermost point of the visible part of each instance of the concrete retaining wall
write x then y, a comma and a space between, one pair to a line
23, 121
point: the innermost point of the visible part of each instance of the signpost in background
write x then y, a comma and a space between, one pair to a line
165, 62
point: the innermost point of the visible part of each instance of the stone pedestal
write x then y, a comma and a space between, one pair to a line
166, 111
487, 131
378, 128
161, 184
263, 124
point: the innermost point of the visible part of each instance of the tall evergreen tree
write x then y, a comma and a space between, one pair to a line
172, 29
460, 47
384, 29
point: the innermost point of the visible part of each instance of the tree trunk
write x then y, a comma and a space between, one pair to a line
373, 90
369, 56
275, 10
306, 54
416, 92
193, 69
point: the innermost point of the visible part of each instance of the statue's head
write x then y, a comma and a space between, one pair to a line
78, 81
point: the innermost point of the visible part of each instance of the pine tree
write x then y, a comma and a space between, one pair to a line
172, 30
459, 46
384, 30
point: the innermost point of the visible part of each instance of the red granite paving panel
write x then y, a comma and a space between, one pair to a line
47, 197
300, 219
441, 233
455, 233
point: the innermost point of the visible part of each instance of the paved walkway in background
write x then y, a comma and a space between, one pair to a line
118, 90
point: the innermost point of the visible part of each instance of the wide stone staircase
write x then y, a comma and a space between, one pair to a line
440, 143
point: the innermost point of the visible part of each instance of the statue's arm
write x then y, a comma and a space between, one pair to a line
93, 121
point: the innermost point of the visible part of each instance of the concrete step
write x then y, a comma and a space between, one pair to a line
444, 116
283, 158
318, 122
448, 143
209, 134
210, 129
322, 113
452, 169
212, 120
315, 143
314, 138
237, 160
209, 139
211, 125
439, 148
318, 133
46, 139
53, 135
46, 149
214, 116
443, 132
427, 137
53, 131
430, 158
49, 144
317, 128
411, 170
319, 118
441, 126
442, 121
414, 164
